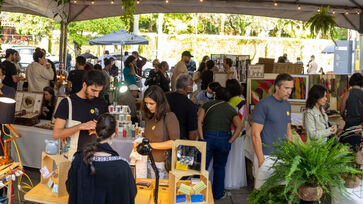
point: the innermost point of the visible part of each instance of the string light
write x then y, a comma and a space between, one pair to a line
166, 1
346, 12
318, 10
75, 1
358, 12
299, 7
112, 1
201, 0
138, 2
92, 2
333, 12
275, 3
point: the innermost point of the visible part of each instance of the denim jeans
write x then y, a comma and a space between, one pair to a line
217, 148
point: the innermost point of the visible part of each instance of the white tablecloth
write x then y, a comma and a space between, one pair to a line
30, 145
235, 177
123, 147
354, 196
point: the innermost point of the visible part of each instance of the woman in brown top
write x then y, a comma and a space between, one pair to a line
159, 121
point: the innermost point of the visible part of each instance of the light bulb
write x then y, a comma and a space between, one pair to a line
201, 0
299, 7
92, 2
166, 1
358, 12
275, 3
112, 1
346, 12
75, 1
333, 12
318, 10
138, 2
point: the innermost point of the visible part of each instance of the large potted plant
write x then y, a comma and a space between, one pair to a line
308, 170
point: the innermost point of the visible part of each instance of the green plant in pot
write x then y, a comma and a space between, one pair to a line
355, 131
322, 23
352, 180
309, 170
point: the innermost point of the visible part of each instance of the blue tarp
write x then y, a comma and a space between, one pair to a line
120, 37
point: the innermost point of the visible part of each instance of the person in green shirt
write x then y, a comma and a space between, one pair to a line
214, 126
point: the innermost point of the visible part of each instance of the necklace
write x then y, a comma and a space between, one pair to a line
153, 127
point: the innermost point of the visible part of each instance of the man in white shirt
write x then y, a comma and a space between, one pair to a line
313, 66
106, 54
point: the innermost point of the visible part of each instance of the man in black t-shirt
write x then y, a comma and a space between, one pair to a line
86, 107
11, 78
75, 77
184, 109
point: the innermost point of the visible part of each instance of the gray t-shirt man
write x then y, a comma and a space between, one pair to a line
274, 115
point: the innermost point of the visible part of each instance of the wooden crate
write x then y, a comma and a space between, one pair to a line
175, 175
201, 146
175, 181
62, 165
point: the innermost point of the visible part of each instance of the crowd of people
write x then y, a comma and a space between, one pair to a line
172, 109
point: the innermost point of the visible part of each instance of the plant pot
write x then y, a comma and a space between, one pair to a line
308, 192
359, 157
352, 182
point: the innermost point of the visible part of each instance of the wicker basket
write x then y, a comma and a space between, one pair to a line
359, 157
307, 192
351, 182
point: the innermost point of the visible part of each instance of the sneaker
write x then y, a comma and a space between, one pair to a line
223, 197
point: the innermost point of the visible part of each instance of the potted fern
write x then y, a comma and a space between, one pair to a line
355, 131
308, 170
352, 180
322, 23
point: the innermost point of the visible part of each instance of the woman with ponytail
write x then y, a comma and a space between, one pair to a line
98, 175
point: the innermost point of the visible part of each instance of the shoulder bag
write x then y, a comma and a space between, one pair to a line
167, 152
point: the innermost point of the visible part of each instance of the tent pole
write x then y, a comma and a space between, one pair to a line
65, 38
61, 43
121, 74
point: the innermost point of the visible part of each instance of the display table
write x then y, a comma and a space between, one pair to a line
42, 194
350, 197
30, 145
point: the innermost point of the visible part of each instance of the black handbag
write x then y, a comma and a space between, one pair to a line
167, 153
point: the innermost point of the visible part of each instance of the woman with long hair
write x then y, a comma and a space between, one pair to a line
129, 70
197, 75
98, 175
161, 127
315, 119
49, 101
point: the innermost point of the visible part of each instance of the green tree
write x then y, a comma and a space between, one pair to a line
81, 32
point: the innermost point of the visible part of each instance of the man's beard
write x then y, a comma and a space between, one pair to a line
88, 95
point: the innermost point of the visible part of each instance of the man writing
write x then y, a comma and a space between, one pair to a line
86, 107
271, 122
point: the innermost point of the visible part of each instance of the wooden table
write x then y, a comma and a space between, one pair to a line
6, 170
42, 194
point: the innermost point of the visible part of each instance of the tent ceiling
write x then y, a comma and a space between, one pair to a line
84, 9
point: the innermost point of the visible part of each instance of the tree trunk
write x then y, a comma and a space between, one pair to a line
77, 49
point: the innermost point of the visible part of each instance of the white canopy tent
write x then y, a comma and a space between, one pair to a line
348, 13
77, 10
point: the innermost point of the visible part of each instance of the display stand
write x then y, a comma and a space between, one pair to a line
6, 170
175, 175
44, 192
